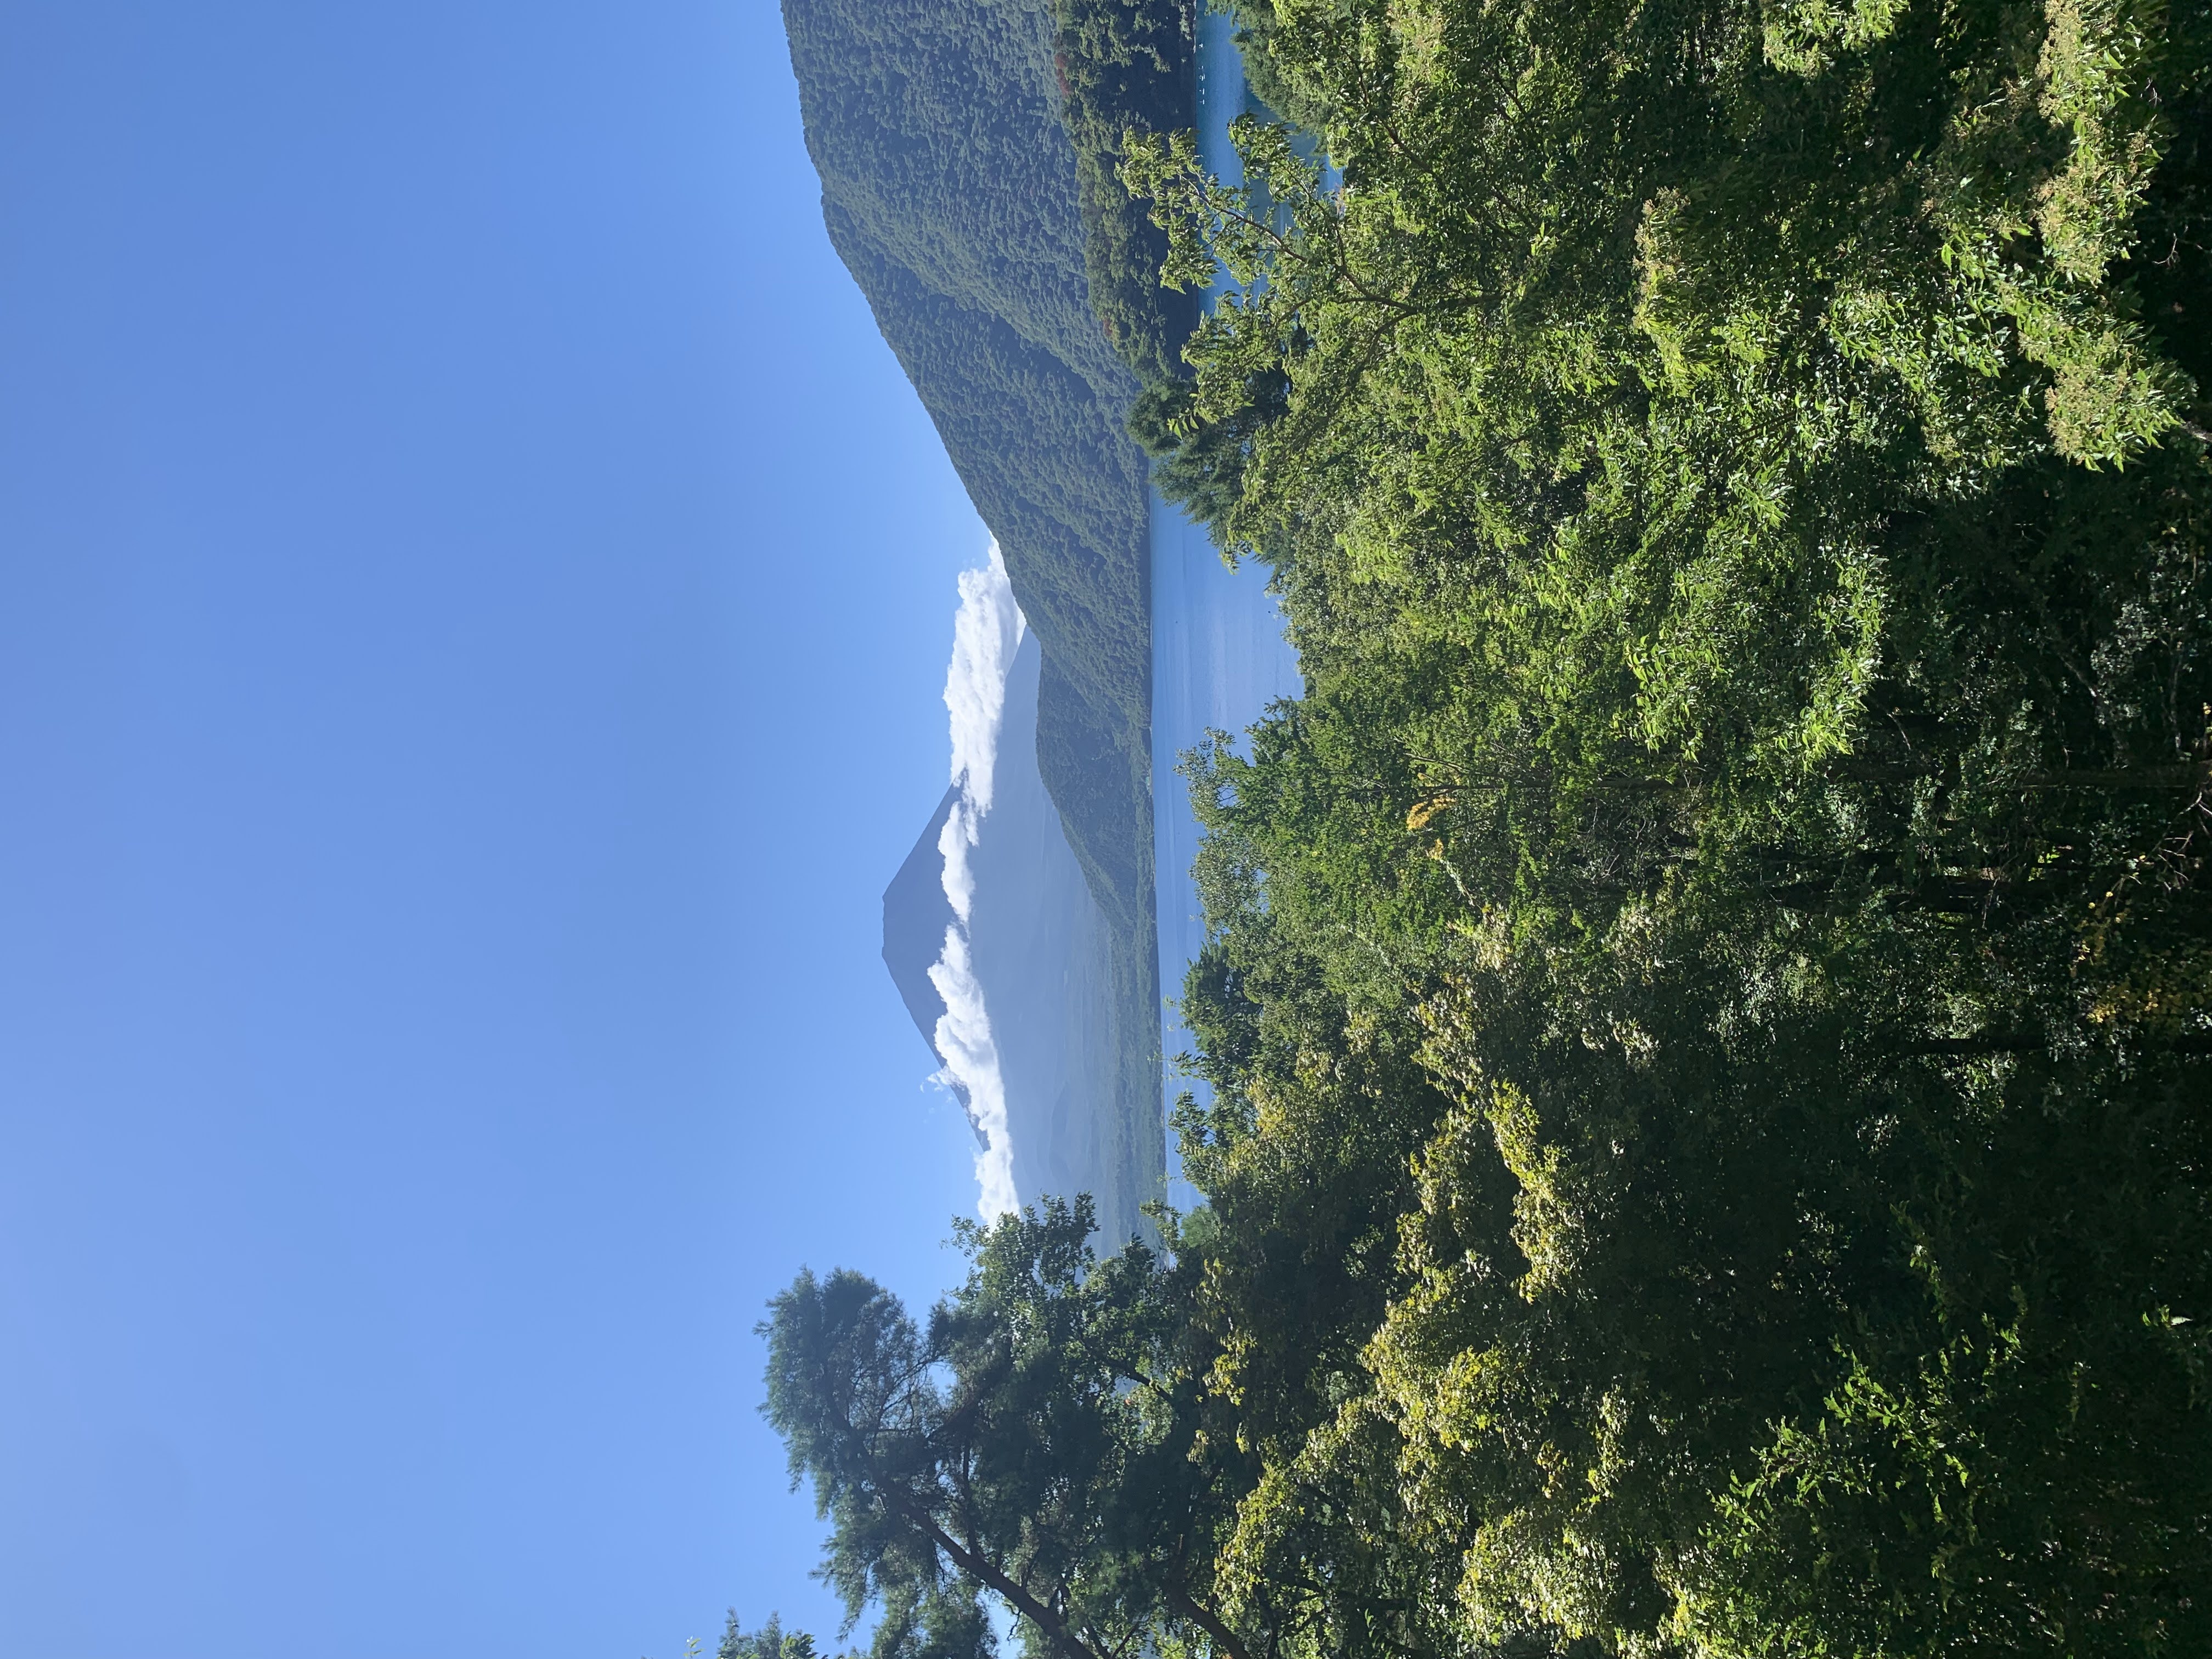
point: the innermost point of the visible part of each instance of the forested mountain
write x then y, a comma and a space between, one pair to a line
1709, 994
953, 191
948, 188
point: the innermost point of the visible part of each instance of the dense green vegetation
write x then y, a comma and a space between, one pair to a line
770, 1641
949, 189
1709, 1000
1126, 66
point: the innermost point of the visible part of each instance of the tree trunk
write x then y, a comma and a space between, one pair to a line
1222, 1636
977, 1566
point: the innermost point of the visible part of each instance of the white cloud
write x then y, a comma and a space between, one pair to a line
962, 828
971, 1060
986, 631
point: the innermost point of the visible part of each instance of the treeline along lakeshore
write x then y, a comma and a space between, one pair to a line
1709, 994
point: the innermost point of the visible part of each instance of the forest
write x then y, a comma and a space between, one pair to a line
1708, 998
954, 192
1125, 68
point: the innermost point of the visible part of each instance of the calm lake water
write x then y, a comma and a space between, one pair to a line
1218, 653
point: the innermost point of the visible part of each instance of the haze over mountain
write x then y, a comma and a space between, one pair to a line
1002, 955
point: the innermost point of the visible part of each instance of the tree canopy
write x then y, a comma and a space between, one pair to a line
1708, 1001
1036, 1441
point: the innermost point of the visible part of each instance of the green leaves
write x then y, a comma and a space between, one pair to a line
1037, 1442
1665, 1036
771, 1641
1705, 1002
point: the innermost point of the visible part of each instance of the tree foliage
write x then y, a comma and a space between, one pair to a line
1707, 1007
770, 1641
1035, 1441
1126, 66
1737, 479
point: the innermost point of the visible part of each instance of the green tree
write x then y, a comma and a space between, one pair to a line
770, 1641
1737, 479
1126, 66
1035, 1442
1707, 998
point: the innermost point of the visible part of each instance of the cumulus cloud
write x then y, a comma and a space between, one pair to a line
963, 826
971, 1064
986, 631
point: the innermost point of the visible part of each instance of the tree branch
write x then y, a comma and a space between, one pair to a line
978, 1566
1222, 1636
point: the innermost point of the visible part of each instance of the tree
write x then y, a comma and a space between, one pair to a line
1707, 1006
1035, 1442
1737, 479
769, 1642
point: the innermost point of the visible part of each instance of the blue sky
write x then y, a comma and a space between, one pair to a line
475, 591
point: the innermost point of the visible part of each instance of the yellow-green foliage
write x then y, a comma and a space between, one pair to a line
1707, 1013
1737, 479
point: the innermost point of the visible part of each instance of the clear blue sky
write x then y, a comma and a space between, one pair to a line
475, 591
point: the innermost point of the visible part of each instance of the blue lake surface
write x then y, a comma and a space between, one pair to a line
1218, 653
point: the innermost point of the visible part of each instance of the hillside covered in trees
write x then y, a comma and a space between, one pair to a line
1709, 994
968, 156
949, 189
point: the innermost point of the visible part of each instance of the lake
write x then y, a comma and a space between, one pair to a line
1218, 653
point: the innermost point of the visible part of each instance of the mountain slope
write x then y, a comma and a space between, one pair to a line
950, 189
